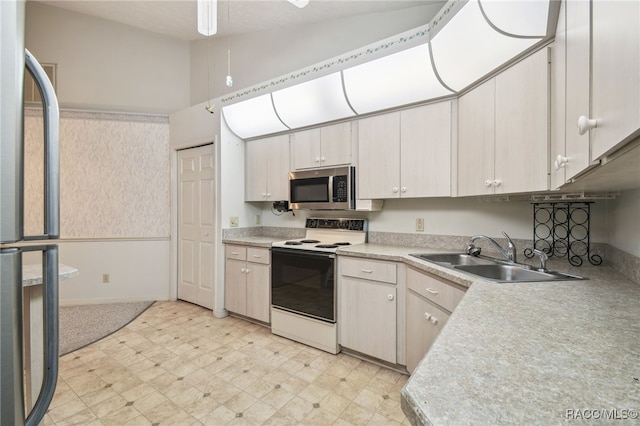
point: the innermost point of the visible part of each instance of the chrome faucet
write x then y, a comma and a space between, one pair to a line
543, 259
509, 253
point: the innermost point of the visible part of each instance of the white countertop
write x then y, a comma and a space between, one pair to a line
32, 273
528, 353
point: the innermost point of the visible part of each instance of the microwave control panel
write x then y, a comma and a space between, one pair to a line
340, 188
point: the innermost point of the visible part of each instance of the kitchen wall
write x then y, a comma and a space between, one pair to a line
102, 65
114, 203
279, 52
623, 215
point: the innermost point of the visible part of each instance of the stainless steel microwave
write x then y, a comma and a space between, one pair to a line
323, 189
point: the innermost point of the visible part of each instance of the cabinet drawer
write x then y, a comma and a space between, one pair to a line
374, 270
443, 294
258, 255
236, 252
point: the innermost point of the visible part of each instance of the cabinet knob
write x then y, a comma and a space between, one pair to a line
268, 194
235, 253
434, 320
585, 124
497, 182
243, 270
488, 183
390, 296
403, 189
322, 159
264, 194
246, 271
427, 316
560, 161
394, 189
432, 291
316, 160
367, 271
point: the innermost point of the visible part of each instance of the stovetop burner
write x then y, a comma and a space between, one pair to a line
292, 243
327, 246
343, 243
309, 241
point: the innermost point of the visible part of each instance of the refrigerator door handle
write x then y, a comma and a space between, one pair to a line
50, 328
51, 117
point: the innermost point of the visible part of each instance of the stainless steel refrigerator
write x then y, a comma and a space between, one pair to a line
13, 243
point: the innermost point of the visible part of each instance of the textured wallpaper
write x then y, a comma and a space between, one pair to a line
114, 175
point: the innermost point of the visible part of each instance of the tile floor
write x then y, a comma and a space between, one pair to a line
178, 365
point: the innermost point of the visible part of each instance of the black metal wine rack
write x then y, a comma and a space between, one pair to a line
562, 229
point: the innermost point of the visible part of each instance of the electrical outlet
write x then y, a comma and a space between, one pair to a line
258, 219
420, 224
234, 221
105, 278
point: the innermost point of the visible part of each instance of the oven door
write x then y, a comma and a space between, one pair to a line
303, 282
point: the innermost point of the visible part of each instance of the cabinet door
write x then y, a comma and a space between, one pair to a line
615, 73
558, 99
306, 149
425, 140
476, 135
277, 160
335, 146
258, 291
235, 286
255, 172
424, 322
378, 171
578, 76
522, 126
368, 318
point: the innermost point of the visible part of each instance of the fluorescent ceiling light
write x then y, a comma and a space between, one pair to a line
253, 117
398, 79
467, 47
299, 3
312, 102
521, 18
207, 17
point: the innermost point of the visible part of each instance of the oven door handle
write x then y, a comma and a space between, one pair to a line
305, 253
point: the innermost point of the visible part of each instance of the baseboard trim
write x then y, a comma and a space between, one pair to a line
104, 301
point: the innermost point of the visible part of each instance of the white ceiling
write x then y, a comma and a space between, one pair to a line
177, 18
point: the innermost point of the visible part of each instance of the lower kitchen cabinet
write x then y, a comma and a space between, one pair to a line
430, 302
247, 281
368, 308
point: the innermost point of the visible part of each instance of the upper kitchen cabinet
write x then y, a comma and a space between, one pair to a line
322, 147
503, 128
406, 154
267, 169
615, 78
596, 57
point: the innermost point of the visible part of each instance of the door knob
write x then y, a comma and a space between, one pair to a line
560, 161
585, 124
390, 297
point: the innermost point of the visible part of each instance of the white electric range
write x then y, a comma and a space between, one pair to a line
303, 277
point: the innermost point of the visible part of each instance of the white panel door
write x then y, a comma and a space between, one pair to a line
195, 225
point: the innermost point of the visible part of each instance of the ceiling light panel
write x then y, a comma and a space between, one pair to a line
467, 48
253, 117
399, 79
312, 102
521, 18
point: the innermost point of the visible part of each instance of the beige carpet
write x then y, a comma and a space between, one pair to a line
84, 324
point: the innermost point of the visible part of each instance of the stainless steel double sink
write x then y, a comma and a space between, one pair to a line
494, 269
